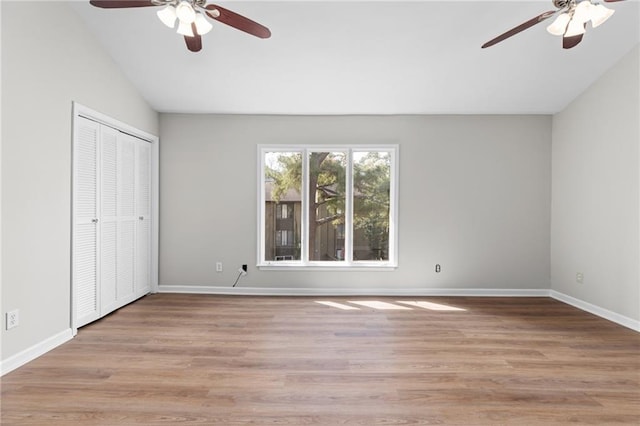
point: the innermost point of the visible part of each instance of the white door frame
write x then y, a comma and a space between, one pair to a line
80, 110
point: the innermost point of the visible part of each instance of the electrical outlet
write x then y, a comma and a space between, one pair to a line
242, 271
218, 266
13, 319
438, 268
579, 277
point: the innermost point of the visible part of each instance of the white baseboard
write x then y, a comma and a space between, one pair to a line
34, 351
596, 310
328, 292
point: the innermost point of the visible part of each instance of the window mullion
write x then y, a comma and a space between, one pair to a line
261, 206
304, 255
348, 214
393, 206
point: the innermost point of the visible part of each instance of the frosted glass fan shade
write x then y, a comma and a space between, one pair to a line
185, 29
185, 12
599, 14
203, 26
582, 13
559, 26
575, 28
168, 16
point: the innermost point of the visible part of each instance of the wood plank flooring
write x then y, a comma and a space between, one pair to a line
193, 359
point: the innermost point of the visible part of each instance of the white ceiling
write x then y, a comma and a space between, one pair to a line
364, 57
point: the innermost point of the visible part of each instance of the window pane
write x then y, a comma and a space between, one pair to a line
371, 203
327, 183
283, 184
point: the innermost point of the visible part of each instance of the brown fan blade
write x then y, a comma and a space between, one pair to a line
194, 43
115, 4
572, 41
530, 23
238, 21
569, 42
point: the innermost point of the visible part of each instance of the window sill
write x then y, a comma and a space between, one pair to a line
325, 266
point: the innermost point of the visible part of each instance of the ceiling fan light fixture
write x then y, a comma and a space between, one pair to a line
203, 26
193, 17
185, 29
168, 16
559, 26
185, 12
599, 14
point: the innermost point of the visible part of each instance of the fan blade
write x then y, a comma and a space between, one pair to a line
612, 1
530, 23
238, 21
194, 43
115, 4
573, 41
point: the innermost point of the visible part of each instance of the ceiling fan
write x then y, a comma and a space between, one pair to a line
571, 18
191, 17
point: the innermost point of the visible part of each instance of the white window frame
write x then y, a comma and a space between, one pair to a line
347, 262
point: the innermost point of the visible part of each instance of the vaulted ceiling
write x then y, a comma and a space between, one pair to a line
364, 57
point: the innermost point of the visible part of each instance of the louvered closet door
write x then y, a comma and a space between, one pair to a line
111, 264
127, 220
85, 223
108, 219
143, 212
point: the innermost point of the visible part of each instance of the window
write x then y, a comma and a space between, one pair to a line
284, 210
284, 238
328, 206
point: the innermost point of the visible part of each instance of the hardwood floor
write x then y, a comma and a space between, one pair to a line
192, 359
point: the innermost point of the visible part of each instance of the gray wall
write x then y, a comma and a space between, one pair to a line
474, 197
46, 64
596, 190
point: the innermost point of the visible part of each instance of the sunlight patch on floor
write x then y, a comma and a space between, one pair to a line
376, 304
387, 306
431, 306
338, 305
